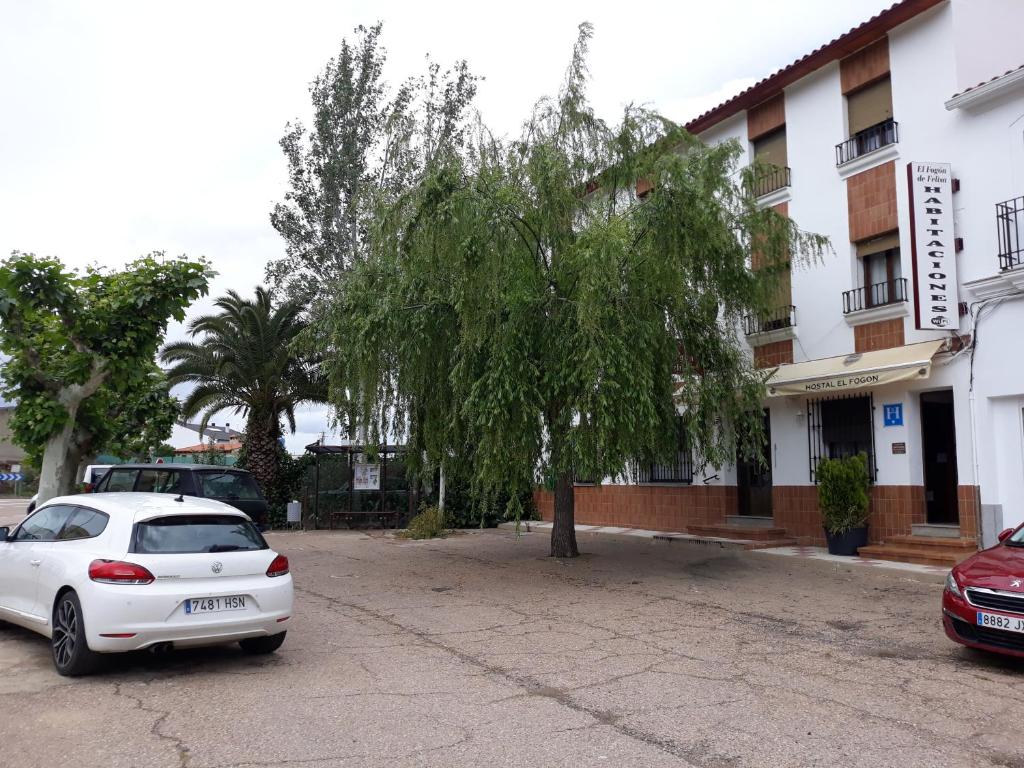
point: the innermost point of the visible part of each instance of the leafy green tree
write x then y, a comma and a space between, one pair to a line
127, 420
245, 360
524, 312
366, 140
81, 350
162, 450
210, 455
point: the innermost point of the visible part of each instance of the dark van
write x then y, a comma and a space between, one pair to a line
232, 486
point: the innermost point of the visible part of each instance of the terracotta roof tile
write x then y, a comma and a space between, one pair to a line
838, 48
234, 445
990, 80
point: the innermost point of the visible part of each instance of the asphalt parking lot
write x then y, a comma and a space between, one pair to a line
480, 650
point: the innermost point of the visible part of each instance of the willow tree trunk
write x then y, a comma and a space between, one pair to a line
563, 532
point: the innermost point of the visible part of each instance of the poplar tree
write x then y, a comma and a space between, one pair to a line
524, 311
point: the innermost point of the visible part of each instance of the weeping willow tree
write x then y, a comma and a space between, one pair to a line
524, 311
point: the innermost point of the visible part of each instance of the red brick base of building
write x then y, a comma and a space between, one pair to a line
894, 508
652, 507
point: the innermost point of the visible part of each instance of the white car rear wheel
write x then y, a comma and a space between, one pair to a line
71, 654
261, 645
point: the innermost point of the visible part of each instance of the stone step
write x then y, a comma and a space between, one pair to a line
738, 532
726, 542
931, 542
749, 521
936, 531
918, 555
771, 543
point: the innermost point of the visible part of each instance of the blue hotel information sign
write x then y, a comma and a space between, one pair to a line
893, 414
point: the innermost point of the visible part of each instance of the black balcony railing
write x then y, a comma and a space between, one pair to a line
877, 136
1010, 222
768, 179
679, 471
783, 317
877, 295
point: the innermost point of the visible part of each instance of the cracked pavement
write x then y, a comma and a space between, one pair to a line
478, 649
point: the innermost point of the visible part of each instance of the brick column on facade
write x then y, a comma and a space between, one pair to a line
884, 334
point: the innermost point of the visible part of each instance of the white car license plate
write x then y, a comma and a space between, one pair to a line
214, 604
995, 621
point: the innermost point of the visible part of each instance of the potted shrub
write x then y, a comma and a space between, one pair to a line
843, 499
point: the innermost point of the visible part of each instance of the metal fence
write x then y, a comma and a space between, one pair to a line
1010, 225
841, 426
877, 295
768, 179
868, 140
782, 317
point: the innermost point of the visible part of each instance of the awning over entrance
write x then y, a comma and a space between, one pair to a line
857, 371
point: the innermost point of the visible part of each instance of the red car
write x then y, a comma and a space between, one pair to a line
983, 602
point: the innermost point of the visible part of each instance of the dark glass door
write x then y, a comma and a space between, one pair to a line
754, 478
938, 434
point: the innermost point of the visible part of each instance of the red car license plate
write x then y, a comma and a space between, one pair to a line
996, 621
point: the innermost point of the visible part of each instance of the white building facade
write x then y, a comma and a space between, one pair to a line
903, 142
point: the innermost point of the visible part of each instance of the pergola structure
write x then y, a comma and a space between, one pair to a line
339, 470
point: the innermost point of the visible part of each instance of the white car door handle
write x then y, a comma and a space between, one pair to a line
35, 563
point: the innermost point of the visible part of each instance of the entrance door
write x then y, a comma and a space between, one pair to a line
754, 478
939, 451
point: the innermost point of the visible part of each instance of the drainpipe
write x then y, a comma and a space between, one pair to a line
978, 519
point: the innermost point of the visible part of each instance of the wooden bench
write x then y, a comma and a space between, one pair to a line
368, 515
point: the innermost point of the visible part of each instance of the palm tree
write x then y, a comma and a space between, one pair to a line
245, 360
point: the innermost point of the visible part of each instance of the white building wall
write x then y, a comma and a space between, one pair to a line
987, 39
933, 56
815, 121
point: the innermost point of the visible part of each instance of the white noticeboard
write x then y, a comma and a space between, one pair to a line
15, 468
366, 477
934, 247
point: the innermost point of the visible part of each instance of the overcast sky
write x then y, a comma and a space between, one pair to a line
129, 127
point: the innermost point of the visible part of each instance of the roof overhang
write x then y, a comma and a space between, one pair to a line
839, 48
847, 373
983, 93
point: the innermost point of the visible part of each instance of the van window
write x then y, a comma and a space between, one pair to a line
159, 481
235, 486
120, 480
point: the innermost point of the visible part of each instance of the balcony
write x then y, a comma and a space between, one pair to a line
769, 178
864, 142
775, 320
877, 295
1010, 223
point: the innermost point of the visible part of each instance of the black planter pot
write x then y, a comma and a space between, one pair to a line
847, 543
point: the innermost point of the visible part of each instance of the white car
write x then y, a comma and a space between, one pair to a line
109, 572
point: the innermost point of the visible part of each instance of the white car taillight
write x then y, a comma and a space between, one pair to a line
278, 566
119, 572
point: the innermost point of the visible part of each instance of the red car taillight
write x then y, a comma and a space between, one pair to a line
118, 572
278, 566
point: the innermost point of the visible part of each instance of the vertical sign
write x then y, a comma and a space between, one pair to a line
932, 246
